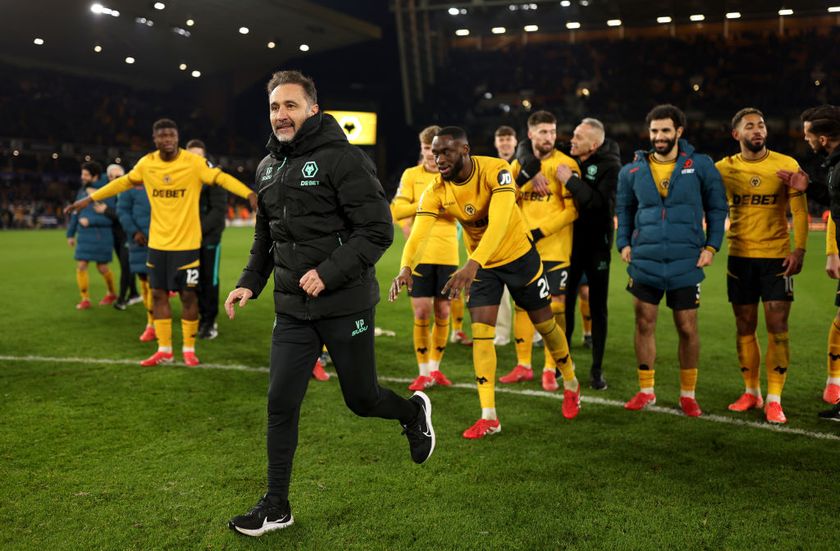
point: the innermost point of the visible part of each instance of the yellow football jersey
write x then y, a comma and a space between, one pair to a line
174, 189
554, 213
442, 247
469, 203
758, 205
661, 172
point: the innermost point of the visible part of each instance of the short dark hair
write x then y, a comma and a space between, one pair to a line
160, 124
824, 119
541, 117
666, 111
505, 130
196, 143
455, 132
93, 167
743, 113
294, 77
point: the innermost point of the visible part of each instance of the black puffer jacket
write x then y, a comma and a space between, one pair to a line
594, 195
320, 206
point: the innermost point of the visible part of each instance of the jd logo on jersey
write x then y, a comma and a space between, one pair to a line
505, 178
310, 169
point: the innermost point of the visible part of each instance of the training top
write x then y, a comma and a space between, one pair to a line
174, 190
552, 214
485, 204
758, 205
442, 247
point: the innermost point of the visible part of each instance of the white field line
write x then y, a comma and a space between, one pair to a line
505, 390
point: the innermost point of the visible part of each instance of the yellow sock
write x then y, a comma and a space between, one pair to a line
189, 328
83, 281
440, 333
421, 344
646, 377
484, 362
163, 330
146, 293
586, 316
834, 351
109, 281
556, 345
749, 356
777, 363
688, 382
457, 310
523, 336
558, 308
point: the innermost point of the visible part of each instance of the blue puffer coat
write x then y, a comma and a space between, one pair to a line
666, 235
94, 243
135, 214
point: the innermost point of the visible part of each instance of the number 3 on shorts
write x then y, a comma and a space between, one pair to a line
192, 276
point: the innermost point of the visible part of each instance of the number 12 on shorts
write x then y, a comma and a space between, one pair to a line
192, 276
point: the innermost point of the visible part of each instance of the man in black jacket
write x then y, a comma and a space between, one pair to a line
212, 206
322, 223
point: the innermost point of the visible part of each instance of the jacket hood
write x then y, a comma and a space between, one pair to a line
685, 150
316, 131
832, 159
609, 150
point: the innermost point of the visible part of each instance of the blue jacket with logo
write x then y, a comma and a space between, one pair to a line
94, 243
135, 214
666, 235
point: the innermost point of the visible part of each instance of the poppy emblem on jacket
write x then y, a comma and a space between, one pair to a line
310, 169
755, 181
688, 163
469, 209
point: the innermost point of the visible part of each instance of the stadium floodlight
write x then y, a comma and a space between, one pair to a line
190, 22
462, 32
99, 9
733, 15
129, 60
271, 44
572, 25
159, 6
834, 9
498, 30
614, 23
244, 30
183, 32
565, 3
785, 11
664, 19
454, 11
183, 66
531, 28
38, 41
304, 47
697, 17
196, 74
97, 48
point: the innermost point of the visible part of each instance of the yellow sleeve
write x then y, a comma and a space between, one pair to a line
405, 204
566, 217
417, 239
232, 184
799, 210
118, 185
502, 204
831, 238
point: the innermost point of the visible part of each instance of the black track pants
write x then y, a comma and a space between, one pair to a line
596, 266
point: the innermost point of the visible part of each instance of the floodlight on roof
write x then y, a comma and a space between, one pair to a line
572, 25
498, 30
462, 32
613, 22
785, 11
697, 17
733, 15
664, 19
531, 28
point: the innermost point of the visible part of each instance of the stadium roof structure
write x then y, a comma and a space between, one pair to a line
161, 43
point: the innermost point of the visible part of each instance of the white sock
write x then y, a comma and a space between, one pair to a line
434, 365
774, 398
188, 349
165, 349
754, 391
424, 369
648, 390
833, 381
488, 413
687, 394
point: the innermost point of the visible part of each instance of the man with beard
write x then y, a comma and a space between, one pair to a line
663, 197
479, 192
761, 265
821, 126
550, 218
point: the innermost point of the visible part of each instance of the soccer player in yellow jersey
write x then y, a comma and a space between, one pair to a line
173, 178
480, 193
438, 263
761, 265
550, 218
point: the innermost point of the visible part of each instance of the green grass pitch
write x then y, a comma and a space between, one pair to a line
108, 455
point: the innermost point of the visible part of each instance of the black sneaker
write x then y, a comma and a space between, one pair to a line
832, 414
264, 517
420, 434
212, 332
120, 305
587, 341
597, 380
